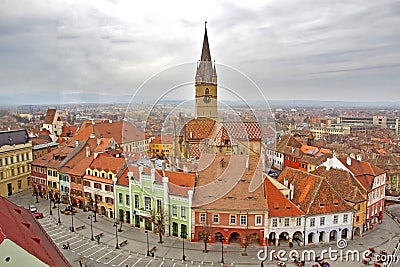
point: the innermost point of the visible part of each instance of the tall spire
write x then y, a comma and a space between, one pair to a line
205, 71
205, 52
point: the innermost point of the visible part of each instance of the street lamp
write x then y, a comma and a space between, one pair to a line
72, 222
36, 195
221, 237
116, 234
148, 248
183, 235
58, 209
51, 212
91, 226
95, 208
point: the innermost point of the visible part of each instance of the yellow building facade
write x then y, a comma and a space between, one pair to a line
15, 159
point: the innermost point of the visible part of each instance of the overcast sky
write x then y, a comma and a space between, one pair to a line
318, 50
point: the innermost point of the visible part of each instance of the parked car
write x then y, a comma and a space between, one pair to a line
32, 208
35, 212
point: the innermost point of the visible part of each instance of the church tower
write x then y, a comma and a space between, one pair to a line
206, 84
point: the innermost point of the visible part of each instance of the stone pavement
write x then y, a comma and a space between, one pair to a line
384, 236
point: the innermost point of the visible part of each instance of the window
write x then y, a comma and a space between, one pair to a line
86, 183
287, 220
232, 220
274, 222
108, 188
335, 219
216, 218
322, 221
345, 218
258, 220
136, 201
202, 217
147, 203
207, 92
298, 221
49, 172
159, 207
119, 197
19, 184
243, 219
97, 185
357, 218
127, 200
312, 222
174, 210
183, 212
79, 180
358, 207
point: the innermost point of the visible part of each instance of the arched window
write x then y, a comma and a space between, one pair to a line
207, 92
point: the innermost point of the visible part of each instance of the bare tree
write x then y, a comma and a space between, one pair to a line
204, 235
158, 219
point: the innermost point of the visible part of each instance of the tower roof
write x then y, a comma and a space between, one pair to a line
205, 71
205, 52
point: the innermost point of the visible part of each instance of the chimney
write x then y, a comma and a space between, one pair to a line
153, 175
87, 151
291, 187
285, 182
92, 135
163, 165
190, 135
177, 164
185, 168
263, 162
130, 176
348, 161
93, 122
328, 164
98, 141
359, 158
76, 143
110, 121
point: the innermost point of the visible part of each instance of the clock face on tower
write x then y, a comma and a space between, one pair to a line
206, 99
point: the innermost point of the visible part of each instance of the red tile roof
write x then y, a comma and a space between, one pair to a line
19, 225
278, 204
51, 113
179, 183
224, 183
313, 193
162, 139
108, 163
121, 131
364, 171
344, 183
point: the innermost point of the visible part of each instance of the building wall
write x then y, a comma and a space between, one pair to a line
204, 109
15, 168
250, 230
324, 233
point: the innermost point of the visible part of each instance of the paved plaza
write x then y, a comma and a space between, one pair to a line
133, 251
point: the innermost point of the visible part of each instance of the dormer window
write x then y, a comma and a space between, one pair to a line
321, 204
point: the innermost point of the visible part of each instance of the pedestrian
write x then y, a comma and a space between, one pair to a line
98, 239
68, 245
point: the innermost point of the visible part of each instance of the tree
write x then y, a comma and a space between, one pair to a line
205, 235
158, 219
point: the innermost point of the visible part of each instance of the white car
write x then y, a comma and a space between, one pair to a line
32, 208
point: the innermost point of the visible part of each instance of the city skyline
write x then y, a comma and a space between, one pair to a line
64, 52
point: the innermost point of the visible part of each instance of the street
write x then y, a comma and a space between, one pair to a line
132, 242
